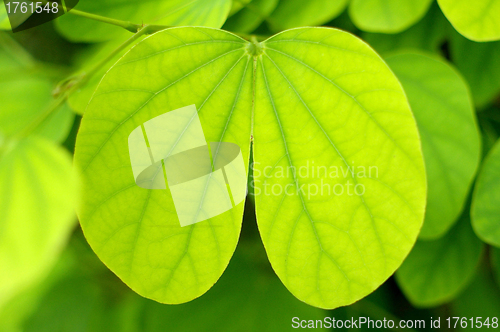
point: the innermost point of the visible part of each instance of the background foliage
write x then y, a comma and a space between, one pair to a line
446, 56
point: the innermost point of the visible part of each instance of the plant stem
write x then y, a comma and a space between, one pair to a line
124, 24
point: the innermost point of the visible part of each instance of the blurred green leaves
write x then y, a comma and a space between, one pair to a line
37, 199
211, 13
436, 271
486, 207
442, 105
387, 16
298, 13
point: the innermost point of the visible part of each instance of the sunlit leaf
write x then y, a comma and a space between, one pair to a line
436, 271
485, 211
442, 105
387, 16
128, 226
326, 100
299, 13
353, 125
477, 20
36, 210
211, 13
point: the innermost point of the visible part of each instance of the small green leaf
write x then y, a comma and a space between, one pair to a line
442, 105
18, 18
428, 35
478, 62
298, 13
436, 271
485, 210
387, 16
327, 103
250, 17
211, 13
36, 210
477, 20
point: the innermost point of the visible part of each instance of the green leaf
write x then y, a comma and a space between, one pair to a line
480, 299
387, 16
250, 17
486, 200
211, 13
36, 210
478, 63
297, 13
127, 225
238, 5
442, 105
325, 99
428, 34
436, 271
477, 20
136, 231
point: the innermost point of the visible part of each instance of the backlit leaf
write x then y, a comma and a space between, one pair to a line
327, 103
250, 17
442, 105
350, 114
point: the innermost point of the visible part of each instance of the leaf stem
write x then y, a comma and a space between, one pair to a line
132, 27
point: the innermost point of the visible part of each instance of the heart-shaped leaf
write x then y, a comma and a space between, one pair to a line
442, 105
477, 20
312, 94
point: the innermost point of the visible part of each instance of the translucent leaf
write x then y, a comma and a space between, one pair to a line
36, 210
278, 82
387, 16
136, 231
299, 13
336, 154
479, 64
486, 201
477, 20
442, 105
437, 271
211, 13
